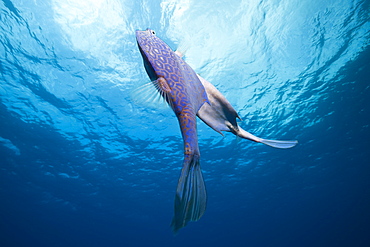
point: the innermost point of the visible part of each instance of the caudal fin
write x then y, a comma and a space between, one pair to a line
191, 197
279, 144
272, 143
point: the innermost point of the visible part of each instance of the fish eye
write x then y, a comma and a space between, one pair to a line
153, 32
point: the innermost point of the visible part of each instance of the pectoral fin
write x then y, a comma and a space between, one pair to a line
151, 94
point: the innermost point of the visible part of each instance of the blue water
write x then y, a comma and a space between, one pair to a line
82, 165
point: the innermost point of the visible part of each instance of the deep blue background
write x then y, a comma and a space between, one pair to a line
83, 165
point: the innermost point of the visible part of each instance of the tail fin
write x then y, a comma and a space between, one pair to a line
272, 143
191, 197
279, 144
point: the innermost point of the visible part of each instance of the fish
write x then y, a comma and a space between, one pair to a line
190, 96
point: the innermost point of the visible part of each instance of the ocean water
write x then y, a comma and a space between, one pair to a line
81, 164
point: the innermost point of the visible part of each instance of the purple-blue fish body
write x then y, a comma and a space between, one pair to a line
182, 89
190, 96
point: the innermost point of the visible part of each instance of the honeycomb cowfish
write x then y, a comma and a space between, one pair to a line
190, 96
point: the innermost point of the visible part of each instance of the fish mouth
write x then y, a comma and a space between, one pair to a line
147, 31
138, 33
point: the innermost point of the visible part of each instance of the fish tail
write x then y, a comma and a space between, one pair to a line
191, 196
272, 143
279, 144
